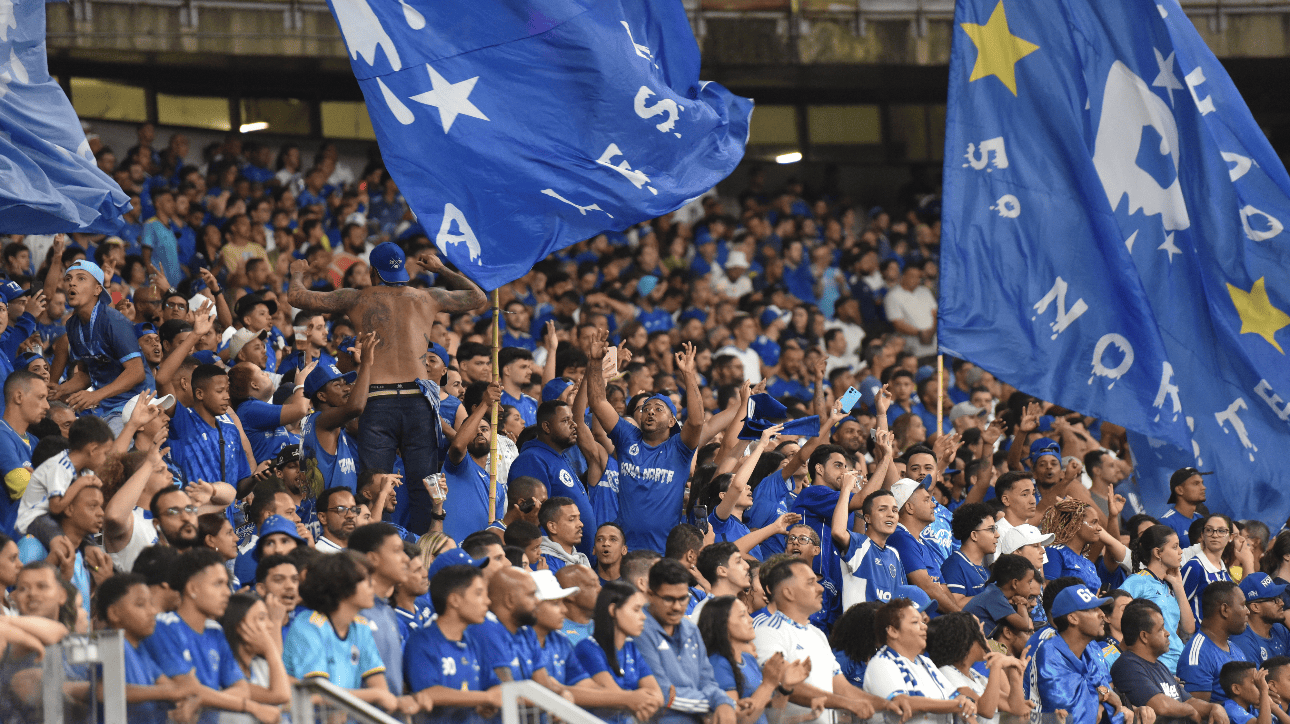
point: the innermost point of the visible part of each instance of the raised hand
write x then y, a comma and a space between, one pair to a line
99, 564
204, 319
200, 492
550, 341
769, 436
795, 673
883, 400
144, 412
773, 669
1030, 417
993, 431
885, 440
685, 359
36, 305
299, 267
785, 522
430, 262
493, 394
596, 346
366, 347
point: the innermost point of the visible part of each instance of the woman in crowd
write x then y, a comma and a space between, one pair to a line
216, 532
728, 635
1157, 561
257, 645
1076, 529
852, 640
611, 658
955, 644
902, 667
1276, 562
1207, 565
10, 564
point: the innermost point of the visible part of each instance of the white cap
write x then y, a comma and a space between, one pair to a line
903, 490
549, 589
737, 260
165, 402
1021, 536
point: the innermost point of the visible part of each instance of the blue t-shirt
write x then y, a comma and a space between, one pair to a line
557, 658
771, 499
467, 503
430, 659
161, 239
1062, 561
576, 632
105, 344
141, 670
990, 606
262, 422
1237, 714
207, 453
853, 670
656, 320
604, 497
914, 553
1258, 649
815, 504
725, 676
539, 460
730, 530
1144, 584
525, 404
16, 469
779, 388
1201, 662
650, 479
1180, 524
338, 469
312, 649
962, 576
498, 648
591, 657
178, 649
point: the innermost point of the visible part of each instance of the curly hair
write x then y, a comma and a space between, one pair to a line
332, 579
1063, 520
853, 633
950, 638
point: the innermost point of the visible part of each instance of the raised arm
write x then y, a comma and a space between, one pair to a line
202, 323
341, 300
459, 293
597, 456
594, 380
297, 406
222, 312
725, 459
827, 421
551, 343
118, 513
692, 430
842, 511
470, 428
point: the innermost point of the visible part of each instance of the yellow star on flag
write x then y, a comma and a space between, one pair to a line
1258, 316
997, 49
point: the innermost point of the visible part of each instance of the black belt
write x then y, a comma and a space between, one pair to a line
394, 389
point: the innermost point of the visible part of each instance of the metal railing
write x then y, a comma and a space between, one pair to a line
85, 650
320, 701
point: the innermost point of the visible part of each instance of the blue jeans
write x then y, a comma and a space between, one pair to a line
403, 424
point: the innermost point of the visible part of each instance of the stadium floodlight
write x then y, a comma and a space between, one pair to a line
793, 157
257, 126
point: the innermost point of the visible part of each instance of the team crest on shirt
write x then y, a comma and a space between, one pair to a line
891, 569
213, 656
1263, 653
566, 477
634, 449
353, 655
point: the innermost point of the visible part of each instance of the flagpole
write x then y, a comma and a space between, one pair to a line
940, 391
492, 443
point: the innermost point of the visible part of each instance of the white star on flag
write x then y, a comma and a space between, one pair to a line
452, 99
1169, 247
1166, 79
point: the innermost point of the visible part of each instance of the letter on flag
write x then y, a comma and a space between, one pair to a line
515, 128
1114, 238
48, 180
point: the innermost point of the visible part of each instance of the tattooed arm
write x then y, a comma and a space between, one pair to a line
460, 294
341, 300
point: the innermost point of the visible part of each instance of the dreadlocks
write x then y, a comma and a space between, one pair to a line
1063, 520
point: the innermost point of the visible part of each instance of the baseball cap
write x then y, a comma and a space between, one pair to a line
240, 339
323, 374
692, 313
143, 329
1076, 598
556, 387
12, 291
287, 455
455, 557
920, 598
904, 489
965, 409
275, 524
549, 589
1258, 586
772, 313
21, 361
165, 402
1045, 446
1179, 477
439, 352
88, 267
1021, 536
390, 263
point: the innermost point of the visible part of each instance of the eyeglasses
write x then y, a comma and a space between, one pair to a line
175, 306
1217, 531
991, 528
174, 512
344, 511
673, 600
800, 539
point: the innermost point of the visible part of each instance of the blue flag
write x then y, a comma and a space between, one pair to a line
515, 128
48, 180
1114, 237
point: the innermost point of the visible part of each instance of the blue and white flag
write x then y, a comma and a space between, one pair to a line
1114, 237
515, 128
48, 180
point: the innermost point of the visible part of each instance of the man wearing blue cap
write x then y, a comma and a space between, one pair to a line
398, 417
330, 453
104, 341
13, 334
1050, 481
1266, 635
1071, 674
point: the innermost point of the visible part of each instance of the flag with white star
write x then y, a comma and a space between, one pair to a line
1114, 239
49, 182
515, 128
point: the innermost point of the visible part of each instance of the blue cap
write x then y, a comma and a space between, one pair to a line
11, 291
454, 557
1258, 586
275, 524
664, 399
769, 316
323, 374
88, 267
920, 598
646, 284
389, 262
438, 350
1075, 598
143, 329
21, 361
556, 387
1045, 446
692, 313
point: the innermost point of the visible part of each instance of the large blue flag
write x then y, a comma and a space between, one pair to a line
1114, 237
48, 180
515, 128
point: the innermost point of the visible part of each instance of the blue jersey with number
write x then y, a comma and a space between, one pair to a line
651, 483
430, 659
874, 572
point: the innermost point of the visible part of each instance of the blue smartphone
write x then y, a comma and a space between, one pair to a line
849, 399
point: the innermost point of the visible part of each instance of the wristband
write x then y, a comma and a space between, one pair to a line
780, 689
438, 516
297, 389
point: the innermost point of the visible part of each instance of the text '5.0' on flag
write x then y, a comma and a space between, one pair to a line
515, 128
1114, 237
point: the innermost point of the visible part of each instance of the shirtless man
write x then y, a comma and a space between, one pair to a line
398, 416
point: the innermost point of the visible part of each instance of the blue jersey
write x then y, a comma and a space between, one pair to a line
1197, 574
914, 553
543, 462
591, 658
312, 649
15, 467
141, 670
467, 503
386, 632
990, 607
178, 649
556, 656
962, 576
104, 344
576, 632
815, 504
873, 572
1237, 714
430, 659
1181, 524
853, 670
295, 361
498, 648
604, 496
340, 468
1062, 561
262, 422
771, 499
730, 530
1258, 649
650, 479
525, 404
938, 535
207, 453
725, 676
1201, 662
160, 238
1144, 584
779, 388
656, 320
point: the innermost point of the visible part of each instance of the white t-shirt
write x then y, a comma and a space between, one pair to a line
324, 545
976, 683
52, 478
917, 308
750, 359
854, 334
260, 677
890, 674
779, 633
143, 535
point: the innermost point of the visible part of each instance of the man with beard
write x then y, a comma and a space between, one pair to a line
1071, 674
330, 453
175, 517
1267, 636
507, 640
544, 458
789, 380
466, 509
338, 512
1186, 496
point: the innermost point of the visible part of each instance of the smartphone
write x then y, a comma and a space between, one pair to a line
435, 489
701, 517
527, 505
850, 398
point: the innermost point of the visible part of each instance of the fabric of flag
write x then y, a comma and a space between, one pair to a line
515, 128
1114, 237
49, 182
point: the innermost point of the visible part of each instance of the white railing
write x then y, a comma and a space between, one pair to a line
85, 650
318, 700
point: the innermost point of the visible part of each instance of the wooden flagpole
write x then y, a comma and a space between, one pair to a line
493, 454
940, 390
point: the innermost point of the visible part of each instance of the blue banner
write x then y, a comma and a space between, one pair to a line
48, 180
515, 128
1114, 237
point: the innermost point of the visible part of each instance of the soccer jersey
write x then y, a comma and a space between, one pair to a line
591, 659
871, 572
178, 649
914, 553
1070, 682
263, 425
51, 479
1197, 574
724, 673
650, 478
340, 468
730, 530
1201, 662
962, 576
1062, 561
556, 656
889, 674
467, 503
207, 453
771, 499
1144, 584
104, 345
543, 462
990, 606
576, 632
526, 405
1237, 714
430, 659
15, 467
1258, 649
498, 648
141, 670
313, 649
1181, 524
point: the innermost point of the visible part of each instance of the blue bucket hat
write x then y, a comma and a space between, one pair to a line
390, 263
323, 374
275, 524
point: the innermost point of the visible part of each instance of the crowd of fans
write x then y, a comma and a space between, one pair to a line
731, 483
